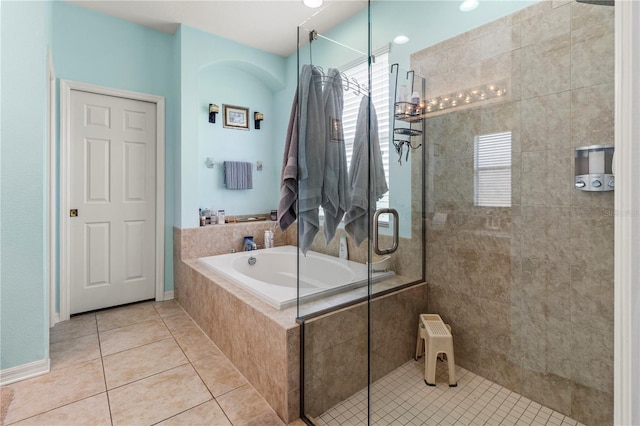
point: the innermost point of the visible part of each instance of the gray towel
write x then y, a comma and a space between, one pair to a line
311, 154
364, 148
336, 194
238, 175
289, 176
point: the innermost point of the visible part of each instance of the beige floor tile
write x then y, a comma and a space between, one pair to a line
158, 397
168, 308
219, 374
74, 351
92, 411
126, 315
208, 413
82, 325
180, 323
268, 418
137, 363
121, 339
53, 390
196, 345
243, 404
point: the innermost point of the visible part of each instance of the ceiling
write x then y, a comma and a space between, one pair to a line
269, 25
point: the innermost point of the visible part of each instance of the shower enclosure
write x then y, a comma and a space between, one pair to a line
372, 149
477, 124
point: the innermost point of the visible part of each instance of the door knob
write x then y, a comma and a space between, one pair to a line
73, 212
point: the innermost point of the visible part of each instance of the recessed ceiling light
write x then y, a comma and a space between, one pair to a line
312, 3
469, 5
401, 39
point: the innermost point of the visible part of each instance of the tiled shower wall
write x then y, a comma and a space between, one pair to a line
527, 289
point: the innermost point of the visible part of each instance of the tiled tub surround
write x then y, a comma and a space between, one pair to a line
528, 289
264, 343
261, 342
335, 346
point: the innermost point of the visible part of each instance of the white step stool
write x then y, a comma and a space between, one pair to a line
437, 339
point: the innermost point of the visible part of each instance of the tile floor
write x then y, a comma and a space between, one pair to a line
149, 363
402, 398
141, 364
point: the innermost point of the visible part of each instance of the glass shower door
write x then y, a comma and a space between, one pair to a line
361, 325
333, 277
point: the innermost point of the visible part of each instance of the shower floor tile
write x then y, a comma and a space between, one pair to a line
402, 398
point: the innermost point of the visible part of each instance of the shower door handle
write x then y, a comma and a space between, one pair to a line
376, 244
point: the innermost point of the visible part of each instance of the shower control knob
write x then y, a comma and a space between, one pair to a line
580, 184
596, 183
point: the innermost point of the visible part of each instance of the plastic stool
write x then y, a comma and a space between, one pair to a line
437, 339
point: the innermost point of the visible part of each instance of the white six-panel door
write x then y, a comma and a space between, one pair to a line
112, 184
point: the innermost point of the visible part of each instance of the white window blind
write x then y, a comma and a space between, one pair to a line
492, 170
380, 98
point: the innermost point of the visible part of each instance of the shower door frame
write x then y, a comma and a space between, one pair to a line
627, 226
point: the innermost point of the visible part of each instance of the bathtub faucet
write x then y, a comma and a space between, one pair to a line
249, 245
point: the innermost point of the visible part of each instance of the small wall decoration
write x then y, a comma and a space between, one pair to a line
235, 117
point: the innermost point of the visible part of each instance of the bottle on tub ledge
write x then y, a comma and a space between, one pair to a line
268, 238
221, 217
344, 251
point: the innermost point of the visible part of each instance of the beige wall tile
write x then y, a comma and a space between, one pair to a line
592, 237
592, 111
552, 230
591, 406
545, 26
592, 351
544, 122
559, 358
592, 297
592, 60
550, 390
546, 67
586, 15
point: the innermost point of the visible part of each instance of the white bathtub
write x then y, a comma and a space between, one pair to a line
273, 277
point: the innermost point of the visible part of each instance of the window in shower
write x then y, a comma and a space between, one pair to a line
492, 170
380, 97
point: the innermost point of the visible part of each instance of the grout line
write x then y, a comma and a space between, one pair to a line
104, 373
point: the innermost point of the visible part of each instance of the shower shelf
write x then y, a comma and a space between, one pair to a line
408, 112
407, 132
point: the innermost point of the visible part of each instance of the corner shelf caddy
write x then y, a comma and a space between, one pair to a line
407, 112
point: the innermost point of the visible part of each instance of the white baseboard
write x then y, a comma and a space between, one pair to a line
168, 295
24, 371
55, 318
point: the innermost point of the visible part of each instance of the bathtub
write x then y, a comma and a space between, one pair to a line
273, 276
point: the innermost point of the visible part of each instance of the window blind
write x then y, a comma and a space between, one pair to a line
380, 99
492, 170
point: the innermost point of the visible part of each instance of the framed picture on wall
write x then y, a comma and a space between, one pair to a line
235, 117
